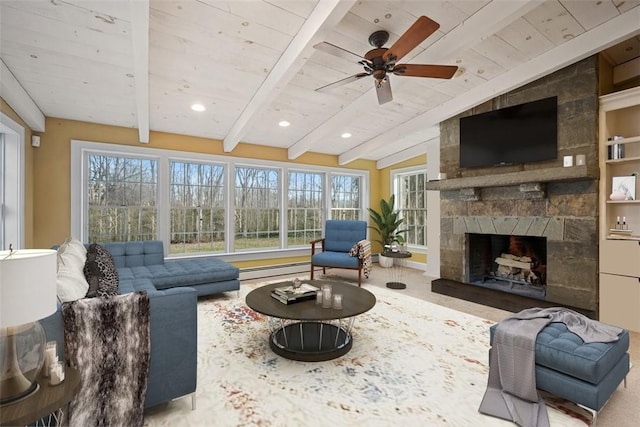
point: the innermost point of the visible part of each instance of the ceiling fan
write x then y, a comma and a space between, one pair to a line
380, 61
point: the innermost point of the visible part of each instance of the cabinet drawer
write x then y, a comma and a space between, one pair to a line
620, 257
620, 301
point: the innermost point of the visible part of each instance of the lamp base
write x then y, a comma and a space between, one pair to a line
22, 356
15, 389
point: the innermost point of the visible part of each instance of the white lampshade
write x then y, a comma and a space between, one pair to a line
27, 286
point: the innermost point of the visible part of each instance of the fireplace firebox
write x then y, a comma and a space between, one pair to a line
509, 263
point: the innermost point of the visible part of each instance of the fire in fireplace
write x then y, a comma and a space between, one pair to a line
515, 264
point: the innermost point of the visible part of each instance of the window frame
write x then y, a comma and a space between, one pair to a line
411, 170
80, 149
169, 195
12, 202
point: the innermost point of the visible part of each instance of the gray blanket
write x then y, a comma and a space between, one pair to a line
511, 389
107, 339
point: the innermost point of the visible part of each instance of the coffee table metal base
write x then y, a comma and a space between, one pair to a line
312, 341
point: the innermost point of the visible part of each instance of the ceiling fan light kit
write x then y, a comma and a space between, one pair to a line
380, 61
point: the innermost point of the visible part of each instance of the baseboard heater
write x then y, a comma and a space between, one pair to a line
274, 270
281, 269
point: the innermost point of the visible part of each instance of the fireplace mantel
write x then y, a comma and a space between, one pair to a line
573, 173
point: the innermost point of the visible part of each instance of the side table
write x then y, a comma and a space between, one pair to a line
46, 400
396, 270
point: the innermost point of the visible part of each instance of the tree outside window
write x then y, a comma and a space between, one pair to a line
197, 214
345, 197
304, 207
198, 203
122, 198
257, 208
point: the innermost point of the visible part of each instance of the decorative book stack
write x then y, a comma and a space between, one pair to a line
289, 295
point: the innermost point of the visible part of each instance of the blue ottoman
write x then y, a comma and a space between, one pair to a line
586, 374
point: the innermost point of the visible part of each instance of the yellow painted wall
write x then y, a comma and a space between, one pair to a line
29, 153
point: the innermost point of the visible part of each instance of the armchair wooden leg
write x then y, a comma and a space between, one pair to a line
311, 271
359, 277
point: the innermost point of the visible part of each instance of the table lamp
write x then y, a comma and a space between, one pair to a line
27, 294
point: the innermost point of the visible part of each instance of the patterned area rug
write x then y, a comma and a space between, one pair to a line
413, 363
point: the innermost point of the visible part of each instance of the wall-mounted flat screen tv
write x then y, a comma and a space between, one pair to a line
519, 134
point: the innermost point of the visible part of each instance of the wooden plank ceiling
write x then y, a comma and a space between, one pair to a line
251, 63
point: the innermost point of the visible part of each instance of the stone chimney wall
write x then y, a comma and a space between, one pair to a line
566, 212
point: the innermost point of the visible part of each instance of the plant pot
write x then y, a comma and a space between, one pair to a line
385, 261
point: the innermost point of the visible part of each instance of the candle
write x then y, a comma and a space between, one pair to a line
337, 301
50, 356
326, 296
56, 374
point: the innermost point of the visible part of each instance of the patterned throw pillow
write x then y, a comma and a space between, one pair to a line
100, 271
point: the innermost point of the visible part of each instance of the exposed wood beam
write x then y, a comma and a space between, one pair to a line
140, 41
589, 43
401, 156
326, 14
14, 94
491, 18
404, 142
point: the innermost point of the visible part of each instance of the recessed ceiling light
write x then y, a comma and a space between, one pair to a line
198, 107
346, 135
284, 124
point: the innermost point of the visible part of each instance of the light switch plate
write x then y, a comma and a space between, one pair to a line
567, 161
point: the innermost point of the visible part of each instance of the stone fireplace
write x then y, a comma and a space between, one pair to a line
509, 263
554, 207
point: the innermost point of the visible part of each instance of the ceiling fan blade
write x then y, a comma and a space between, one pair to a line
338, 51
383, 90
342, 82
419, 31
419, 70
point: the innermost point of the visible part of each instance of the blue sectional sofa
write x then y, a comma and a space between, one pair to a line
173, 288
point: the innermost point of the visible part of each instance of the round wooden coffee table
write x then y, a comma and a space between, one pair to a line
304, 330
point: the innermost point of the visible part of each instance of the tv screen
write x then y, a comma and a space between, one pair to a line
519, 134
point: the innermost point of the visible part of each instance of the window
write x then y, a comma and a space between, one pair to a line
305, 207
121, 195
198, 203
257, 208
11, 184
196, 207
345, 197
411, 202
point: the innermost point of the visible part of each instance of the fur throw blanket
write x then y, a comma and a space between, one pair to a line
108, 340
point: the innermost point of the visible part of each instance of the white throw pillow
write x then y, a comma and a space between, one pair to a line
71, 283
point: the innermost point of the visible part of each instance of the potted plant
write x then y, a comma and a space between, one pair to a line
387, 225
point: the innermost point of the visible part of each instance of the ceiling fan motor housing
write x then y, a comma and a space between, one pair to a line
378, 38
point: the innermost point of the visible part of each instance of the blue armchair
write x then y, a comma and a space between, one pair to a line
340, 237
